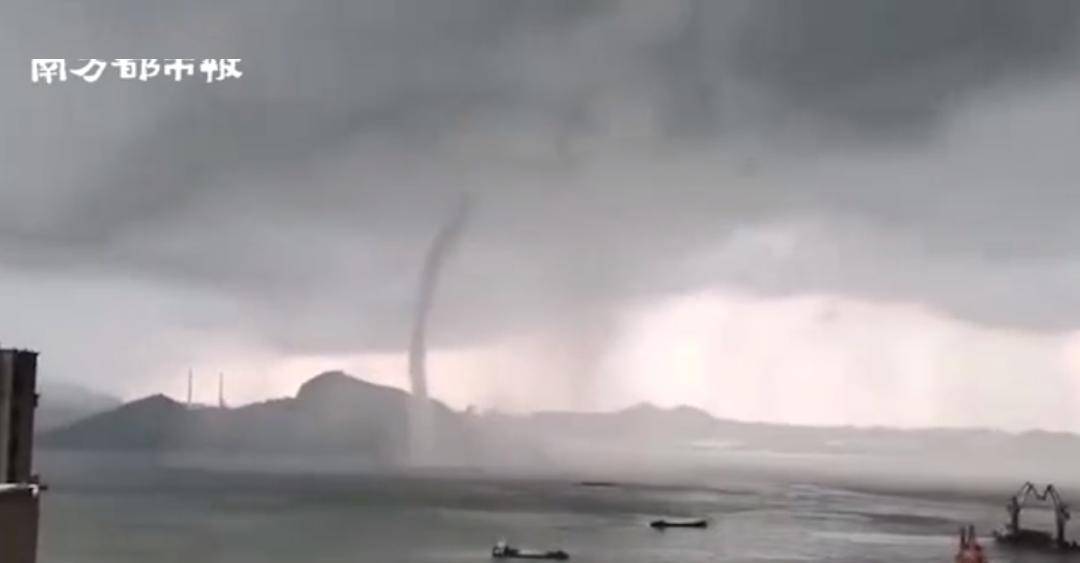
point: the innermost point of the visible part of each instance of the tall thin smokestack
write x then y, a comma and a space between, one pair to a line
429, 277
221, 390
190, 376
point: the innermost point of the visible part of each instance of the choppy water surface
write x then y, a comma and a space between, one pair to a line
105, 515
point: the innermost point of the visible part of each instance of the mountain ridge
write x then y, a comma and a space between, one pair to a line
335, 413
332, 412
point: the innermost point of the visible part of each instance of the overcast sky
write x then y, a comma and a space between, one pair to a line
840, 211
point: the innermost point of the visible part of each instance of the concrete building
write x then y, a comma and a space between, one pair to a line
19, 490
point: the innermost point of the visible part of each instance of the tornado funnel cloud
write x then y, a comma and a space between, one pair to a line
441, 245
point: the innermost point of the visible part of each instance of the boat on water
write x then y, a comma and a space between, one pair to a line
1037, 540
694, 523
502, 550
598, 484
1015, 536
970, 551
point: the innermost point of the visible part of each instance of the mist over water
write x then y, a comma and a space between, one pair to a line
176, 509
332, 474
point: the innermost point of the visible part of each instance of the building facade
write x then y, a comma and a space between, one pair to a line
19, 489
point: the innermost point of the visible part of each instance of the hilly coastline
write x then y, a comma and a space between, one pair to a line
334, 414
331, 413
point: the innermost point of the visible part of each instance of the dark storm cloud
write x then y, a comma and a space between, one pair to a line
893, 67
607, 143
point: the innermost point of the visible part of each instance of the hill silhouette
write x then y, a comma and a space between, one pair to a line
334, 414
64, 402
331, 413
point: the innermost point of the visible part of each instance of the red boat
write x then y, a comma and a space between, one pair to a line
970, 551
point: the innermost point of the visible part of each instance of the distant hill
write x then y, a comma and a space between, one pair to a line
62, 403
646, 426
641, 422
332, 413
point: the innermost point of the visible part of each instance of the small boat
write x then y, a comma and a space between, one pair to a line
598, 484
504, 551
664, 524
969, 551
